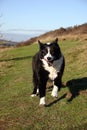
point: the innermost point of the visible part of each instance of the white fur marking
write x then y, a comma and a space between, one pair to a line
53, 73
48, 43
33, 95
48, 54
54, 68
37, 91
42, 101
54, 91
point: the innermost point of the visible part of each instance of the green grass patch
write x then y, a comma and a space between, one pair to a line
18, 111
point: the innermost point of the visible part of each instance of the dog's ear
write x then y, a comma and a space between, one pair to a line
56, 42
41, 45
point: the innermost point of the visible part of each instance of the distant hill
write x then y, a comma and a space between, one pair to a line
77, 32
5, 43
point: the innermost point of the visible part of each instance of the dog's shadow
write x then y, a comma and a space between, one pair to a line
76, 87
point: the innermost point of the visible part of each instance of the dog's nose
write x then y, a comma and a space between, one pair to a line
49, 58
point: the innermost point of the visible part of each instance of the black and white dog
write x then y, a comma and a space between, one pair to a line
48, 63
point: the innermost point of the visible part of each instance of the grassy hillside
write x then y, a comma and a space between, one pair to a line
18, 111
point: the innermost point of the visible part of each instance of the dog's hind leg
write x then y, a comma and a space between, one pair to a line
35, 83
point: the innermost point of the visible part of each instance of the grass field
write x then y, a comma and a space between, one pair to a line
18, 111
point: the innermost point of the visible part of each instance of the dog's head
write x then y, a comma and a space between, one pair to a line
50, 51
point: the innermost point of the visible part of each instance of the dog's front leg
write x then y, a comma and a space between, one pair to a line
56, 87
55, 90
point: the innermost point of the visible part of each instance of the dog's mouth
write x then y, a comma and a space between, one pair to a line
50, 62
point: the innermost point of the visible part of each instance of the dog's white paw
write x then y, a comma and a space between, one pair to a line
42, 101
33, 95
55, 91
55, 95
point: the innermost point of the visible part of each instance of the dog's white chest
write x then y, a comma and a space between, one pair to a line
52, 73
54, 69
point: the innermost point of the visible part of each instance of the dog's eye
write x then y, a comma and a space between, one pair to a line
43, 52
52, 53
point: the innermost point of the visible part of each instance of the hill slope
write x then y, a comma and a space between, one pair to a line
71, 33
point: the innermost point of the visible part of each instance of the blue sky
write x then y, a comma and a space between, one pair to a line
41, 15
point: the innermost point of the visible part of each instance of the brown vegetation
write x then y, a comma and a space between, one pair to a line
70, 33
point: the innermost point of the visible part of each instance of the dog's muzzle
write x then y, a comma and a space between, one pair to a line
49, 60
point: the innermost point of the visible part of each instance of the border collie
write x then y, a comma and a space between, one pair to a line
48, 63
